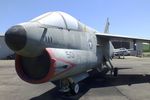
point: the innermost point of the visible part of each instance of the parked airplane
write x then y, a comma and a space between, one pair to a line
55, 46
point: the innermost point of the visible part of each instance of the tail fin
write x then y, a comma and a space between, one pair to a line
109, 48
106, 30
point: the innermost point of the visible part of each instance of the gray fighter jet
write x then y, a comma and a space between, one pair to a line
57, 47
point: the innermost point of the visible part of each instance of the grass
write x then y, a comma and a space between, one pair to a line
146, 50
146, 47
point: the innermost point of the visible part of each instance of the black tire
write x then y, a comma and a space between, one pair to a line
74, 89
115, 72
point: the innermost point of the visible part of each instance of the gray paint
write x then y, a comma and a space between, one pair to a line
87, 48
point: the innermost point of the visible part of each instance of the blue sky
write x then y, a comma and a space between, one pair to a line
127, 17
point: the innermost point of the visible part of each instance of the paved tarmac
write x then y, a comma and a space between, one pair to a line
131, 84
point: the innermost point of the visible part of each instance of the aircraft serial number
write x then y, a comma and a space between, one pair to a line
70, 54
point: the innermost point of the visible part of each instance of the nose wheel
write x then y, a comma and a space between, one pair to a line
69, 87
74, 89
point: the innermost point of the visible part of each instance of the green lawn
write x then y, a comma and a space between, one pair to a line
146, 48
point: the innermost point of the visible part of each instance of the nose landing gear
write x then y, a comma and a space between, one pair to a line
69, 87
74, 89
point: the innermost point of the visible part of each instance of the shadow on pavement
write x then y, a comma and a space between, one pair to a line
96, 81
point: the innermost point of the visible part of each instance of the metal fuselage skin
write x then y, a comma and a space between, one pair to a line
73, 46
53, 53
42, 36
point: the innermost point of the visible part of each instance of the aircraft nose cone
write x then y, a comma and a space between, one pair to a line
16, 38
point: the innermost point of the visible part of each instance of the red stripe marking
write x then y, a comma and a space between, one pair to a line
72, 65
23, 76
51, 72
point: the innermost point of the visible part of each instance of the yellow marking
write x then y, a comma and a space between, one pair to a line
84, 28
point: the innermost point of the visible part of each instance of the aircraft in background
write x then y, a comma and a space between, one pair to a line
55, 46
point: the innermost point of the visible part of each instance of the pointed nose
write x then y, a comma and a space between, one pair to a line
16, 38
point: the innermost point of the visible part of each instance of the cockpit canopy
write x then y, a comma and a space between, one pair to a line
62, 20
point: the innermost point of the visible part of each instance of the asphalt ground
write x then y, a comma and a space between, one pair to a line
131, 84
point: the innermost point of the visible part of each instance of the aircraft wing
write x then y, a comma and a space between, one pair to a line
120, 37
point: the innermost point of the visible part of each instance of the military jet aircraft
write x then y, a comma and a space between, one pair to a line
56, 46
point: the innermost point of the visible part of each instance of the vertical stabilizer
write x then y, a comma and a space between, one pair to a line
106, 29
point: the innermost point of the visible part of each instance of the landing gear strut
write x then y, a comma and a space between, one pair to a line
113, 71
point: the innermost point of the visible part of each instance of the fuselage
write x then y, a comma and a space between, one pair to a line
72, 44
60, 31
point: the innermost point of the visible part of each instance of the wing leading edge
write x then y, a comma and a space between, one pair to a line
120, 37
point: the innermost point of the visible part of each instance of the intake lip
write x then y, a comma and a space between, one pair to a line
40, 73
16, 37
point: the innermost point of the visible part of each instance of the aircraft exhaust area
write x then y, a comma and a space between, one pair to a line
131, 84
